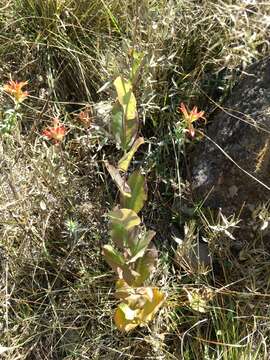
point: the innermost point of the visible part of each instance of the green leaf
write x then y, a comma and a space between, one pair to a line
125, 238
118, 263
128, 275
138, 196
113, 257
142, 245
124, 162
145, 265
132, 238
119, 181
137, 61
126, 217
119, 235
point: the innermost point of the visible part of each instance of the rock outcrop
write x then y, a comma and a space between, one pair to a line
231, 167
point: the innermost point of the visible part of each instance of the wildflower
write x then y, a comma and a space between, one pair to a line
56, 133
85, 117
14, 88
190, 117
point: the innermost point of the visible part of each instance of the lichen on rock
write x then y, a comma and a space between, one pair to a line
231, 167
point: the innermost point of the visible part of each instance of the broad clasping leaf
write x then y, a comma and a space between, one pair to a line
124, 162
126, 217
124, 114
119, 181
139, 308
137, 185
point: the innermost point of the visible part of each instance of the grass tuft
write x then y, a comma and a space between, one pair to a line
56, 291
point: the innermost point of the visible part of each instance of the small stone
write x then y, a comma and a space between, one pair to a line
233, 191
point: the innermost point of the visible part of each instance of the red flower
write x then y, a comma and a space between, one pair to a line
56, 133
190, 117
14, 88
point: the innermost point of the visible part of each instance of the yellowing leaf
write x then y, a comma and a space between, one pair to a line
125, 123
128, 218
129, 314
137, 184
122, 289
145, 240
124, 318
126, 97
123, 130
196, 302
139, 308
131, 129
124, 162
119, 181
152, 306
122, 87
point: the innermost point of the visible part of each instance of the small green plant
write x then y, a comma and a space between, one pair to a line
132, 257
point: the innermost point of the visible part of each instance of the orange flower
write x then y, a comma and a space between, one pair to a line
85, 117
56, 133
14, 88
190, 117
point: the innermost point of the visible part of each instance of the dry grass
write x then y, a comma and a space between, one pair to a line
56, 291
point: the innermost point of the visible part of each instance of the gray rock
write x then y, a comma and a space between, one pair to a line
240, 132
